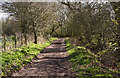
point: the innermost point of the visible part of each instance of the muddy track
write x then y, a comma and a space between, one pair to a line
50, 62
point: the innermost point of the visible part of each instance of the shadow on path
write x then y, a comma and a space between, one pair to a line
51, 61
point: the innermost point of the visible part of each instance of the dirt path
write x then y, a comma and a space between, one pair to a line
51, 61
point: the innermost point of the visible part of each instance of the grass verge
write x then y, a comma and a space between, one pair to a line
85, 64
18, 57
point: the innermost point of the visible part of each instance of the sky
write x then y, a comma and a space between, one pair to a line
2, 14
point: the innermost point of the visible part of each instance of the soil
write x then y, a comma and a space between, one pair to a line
52, 61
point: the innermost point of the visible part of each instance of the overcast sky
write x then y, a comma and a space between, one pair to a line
2, 14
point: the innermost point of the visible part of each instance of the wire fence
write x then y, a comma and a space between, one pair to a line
10, 42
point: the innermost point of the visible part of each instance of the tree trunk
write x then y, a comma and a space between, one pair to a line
56, 33
35, 37
52, 31
35, 33
23, 29
25, 39
21, 40
61, 31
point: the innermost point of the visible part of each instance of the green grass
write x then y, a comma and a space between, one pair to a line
84, 63
16, 58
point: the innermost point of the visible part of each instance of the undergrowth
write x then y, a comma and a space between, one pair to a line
18, 57
85, 64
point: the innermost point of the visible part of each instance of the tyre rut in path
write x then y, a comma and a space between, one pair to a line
51, 61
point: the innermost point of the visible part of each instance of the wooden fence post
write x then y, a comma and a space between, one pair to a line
15, 41
4, 44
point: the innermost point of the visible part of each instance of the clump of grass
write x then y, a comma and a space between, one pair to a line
84, 63
16, 58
